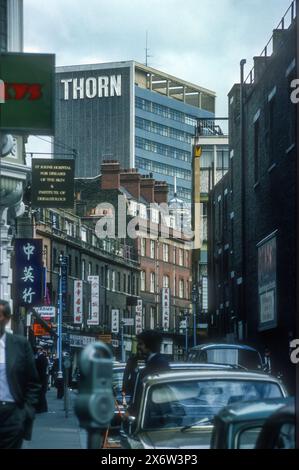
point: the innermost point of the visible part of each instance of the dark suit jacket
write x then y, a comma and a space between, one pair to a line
158, 363
22, 378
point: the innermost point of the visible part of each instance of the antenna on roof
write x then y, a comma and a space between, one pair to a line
147, 55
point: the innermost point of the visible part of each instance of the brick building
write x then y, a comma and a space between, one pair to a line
252, 211
165, 261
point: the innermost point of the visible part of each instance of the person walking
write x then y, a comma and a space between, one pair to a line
19, 385
41, 363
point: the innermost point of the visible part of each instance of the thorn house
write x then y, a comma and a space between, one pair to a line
91, 87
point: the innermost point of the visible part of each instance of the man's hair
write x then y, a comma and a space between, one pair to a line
151, 339
6, 308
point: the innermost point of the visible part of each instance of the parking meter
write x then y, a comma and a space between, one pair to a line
94, 406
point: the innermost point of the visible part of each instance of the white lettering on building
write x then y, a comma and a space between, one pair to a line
91, 87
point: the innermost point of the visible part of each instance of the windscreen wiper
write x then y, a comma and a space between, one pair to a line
202, 422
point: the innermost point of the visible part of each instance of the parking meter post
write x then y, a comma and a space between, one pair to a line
94, 405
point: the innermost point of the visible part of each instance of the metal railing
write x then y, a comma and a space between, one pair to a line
284, 24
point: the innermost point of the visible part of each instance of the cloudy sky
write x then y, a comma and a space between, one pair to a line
201, 41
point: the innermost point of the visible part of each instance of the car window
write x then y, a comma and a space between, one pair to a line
286, 437
184, 403
248, 437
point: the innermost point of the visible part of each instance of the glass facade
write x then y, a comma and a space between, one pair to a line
3, 25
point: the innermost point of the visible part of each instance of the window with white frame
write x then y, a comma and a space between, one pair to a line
83, 270
165, 281
83, 234
152, 318
108, 279
142, 281
165, 252
181, 289
143, 247
181, 257
142, 211
152, 283
155, 215
153, 249
113, 281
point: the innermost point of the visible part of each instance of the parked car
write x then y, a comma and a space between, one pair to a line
278, 431
239, 425
235, 354
177, 408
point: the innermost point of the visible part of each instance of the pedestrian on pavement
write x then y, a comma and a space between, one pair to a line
130, 376
41, 362
19, 385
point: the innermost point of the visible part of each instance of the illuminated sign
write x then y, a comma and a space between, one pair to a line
27, 93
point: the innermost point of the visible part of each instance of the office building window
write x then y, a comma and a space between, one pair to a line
152, 284
161, 149
83, 234
118, 282
165, 252
174, 255
89, 269
125, 282
142, 281
76, 266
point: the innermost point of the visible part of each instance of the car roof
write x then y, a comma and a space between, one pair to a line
194, 374
252, 410
203, 347
200, 365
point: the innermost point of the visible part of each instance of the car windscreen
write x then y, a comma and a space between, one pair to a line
196, 402
117, 382
245, 358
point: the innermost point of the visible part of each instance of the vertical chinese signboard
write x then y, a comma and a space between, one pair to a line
267, 283
138, 317
78, 302
165, 308
28, 272
95, 300
115, 321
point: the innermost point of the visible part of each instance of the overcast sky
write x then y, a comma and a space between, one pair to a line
201, 41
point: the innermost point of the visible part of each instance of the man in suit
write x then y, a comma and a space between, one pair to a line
149, 346
19, 385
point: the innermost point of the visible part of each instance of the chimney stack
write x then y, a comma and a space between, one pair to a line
130, 180
148, 188
161, 192
110, 174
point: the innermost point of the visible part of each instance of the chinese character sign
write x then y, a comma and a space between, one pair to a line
165, 308
95, 300
28, 272
115, 321
138, 317
78, 302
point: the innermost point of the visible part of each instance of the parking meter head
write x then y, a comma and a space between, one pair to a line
95, 403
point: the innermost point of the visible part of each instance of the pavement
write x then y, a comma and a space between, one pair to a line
53, 430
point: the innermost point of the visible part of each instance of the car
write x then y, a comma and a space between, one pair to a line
239, 355
176, 409
239, 425
278, 431
118, 373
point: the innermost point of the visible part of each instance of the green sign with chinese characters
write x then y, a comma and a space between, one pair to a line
27, 93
